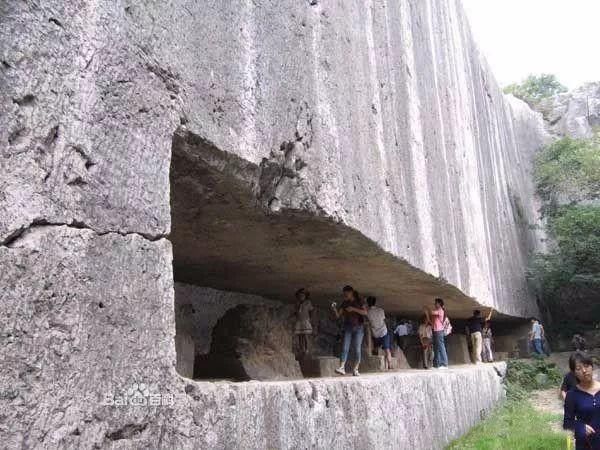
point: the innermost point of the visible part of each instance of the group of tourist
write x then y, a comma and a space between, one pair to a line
579, 390
354, 313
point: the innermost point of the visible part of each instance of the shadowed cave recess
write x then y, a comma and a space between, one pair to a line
232, 247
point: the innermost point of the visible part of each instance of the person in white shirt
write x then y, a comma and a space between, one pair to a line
536, 336
401, 332
379, 331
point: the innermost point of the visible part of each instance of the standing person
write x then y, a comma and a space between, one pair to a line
568, 384
536, 336
582, 404
437, 317
425, 333
475, 326
303, 327
486, 334
353, 311
401, 332
379, 330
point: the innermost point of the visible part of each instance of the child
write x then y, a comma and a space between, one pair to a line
488, 356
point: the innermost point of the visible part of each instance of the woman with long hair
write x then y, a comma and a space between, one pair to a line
353, 311
437, 317
582, 404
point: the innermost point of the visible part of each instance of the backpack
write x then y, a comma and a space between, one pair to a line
447, 325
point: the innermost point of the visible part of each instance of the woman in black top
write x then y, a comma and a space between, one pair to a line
582, 404
353, 311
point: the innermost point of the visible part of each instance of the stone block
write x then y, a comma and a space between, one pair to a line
457, 348
319, 366
184, 345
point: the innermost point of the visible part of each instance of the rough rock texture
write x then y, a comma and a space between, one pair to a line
83, 316
258, 341
426, 158
186, 355
376, 116
458, 349
407, 410
197, 310
575, 113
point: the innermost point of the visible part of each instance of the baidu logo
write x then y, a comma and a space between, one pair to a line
138, 395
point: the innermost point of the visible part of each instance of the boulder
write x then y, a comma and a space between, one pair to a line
254, 343
457, 348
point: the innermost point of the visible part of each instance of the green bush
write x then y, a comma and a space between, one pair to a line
568, 168
524, 375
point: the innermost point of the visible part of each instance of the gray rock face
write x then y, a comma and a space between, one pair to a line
425, 158
82, 317
575, 113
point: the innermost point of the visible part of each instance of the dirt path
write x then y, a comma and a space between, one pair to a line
547, 401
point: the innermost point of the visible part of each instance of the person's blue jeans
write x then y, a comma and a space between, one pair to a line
355, 334
440, 357
537, 346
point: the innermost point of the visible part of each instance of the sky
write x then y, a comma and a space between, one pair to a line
522, 37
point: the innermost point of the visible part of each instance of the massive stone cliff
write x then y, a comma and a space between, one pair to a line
367, 140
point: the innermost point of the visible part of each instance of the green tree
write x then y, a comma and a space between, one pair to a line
535, 88
569, 169
567, 175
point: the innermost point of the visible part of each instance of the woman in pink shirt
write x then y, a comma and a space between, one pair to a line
437, 316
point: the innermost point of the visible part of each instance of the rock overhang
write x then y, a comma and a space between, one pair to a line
227, 235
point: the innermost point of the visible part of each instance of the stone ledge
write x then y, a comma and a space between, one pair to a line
405, 409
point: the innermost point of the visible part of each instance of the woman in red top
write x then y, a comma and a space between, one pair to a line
437, 316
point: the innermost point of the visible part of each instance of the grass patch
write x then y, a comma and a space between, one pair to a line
516, 426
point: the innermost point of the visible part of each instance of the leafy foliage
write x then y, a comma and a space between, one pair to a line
567, 174
577, 233
527, 375
535, 87
569, 168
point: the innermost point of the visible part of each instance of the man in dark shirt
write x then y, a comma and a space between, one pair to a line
353, 311
474, 325
569, 382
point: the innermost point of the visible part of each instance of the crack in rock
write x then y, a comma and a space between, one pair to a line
129, 431
13, 238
